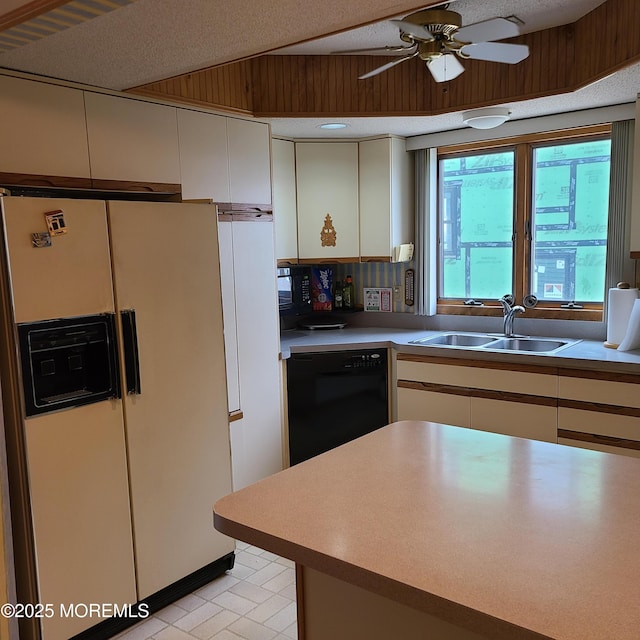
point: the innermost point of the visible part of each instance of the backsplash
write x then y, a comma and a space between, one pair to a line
376, 274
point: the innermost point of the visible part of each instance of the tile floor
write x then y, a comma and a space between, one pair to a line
253, 601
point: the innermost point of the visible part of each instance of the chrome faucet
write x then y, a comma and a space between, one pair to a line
509, 311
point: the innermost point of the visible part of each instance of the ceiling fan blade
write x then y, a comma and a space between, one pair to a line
496, 52
487, 31
414, 30
384, 67
445, 67
389, 49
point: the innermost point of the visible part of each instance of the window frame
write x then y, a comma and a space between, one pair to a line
523, 147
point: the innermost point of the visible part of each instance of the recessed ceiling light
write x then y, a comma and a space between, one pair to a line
333, 125
486, 118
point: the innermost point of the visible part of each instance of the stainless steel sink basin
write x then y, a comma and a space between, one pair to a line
456, 340
495, 342
539, 345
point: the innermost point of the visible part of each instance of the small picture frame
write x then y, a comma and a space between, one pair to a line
378, 299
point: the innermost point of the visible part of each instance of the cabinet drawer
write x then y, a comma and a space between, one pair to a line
622, 394
414, 404
597, 446
533, 421
534, 384
599, 423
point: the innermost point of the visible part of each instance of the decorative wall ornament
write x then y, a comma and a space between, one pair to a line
328, 233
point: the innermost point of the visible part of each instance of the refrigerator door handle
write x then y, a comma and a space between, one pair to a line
131, 358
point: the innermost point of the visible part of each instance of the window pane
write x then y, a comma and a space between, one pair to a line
476, 226
570, 212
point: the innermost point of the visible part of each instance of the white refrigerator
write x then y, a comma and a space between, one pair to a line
111, 500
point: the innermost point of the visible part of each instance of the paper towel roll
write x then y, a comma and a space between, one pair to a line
631, 338
619, 308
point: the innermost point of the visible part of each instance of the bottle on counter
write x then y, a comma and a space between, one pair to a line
338, 296
347, 294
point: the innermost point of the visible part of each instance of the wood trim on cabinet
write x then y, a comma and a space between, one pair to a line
482, 364
375, 258
251, 216
609, 441
488, 394
612, 409
243, 207
287, 262
31, 180
612, 376
139, 187
435, 388
328, 260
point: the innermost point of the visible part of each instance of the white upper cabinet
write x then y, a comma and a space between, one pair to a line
249, 145
327, 195
132, 140
386, 197
204, 165
284, 200
44, 129
635, 202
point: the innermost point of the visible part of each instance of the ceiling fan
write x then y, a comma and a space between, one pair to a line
438, 37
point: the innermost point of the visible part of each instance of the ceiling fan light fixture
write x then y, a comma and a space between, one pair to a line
486, 118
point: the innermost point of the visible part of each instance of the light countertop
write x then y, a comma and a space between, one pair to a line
508, 537
584, 354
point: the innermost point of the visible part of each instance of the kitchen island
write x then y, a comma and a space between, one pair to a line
421, 530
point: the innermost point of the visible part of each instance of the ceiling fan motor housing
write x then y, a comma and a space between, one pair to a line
442, 24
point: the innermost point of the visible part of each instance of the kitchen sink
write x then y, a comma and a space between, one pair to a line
485, 342
455, 340
539, 345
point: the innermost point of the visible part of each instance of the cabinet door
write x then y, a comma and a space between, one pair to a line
635, 202
249, 161
327, 192
446, 408
284, 200
386, 197
227, 281
204, 164
256, 440
132, 140
533, 421
45, 130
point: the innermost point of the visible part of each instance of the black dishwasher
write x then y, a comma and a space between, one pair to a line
334, 397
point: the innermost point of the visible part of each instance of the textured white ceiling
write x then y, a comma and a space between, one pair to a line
155, 39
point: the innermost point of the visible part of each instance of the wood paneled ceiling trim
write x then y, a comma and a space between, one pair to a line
562, 59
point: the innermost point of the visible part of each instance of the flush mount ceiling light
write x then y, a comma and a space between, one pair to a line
486, 118
333, 125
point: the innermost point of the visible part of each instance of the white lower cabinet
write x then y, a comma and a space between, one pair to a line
521, 403
252, 344
515, 418
446, 408
600, 411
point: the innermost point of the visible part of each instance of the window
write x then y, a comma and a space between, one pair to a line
525, 217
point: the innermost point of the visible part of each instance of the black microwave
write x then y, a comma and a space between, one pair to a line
294, 290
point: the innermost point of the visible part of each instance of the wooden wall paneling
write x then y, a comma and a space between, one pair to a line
561, 59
